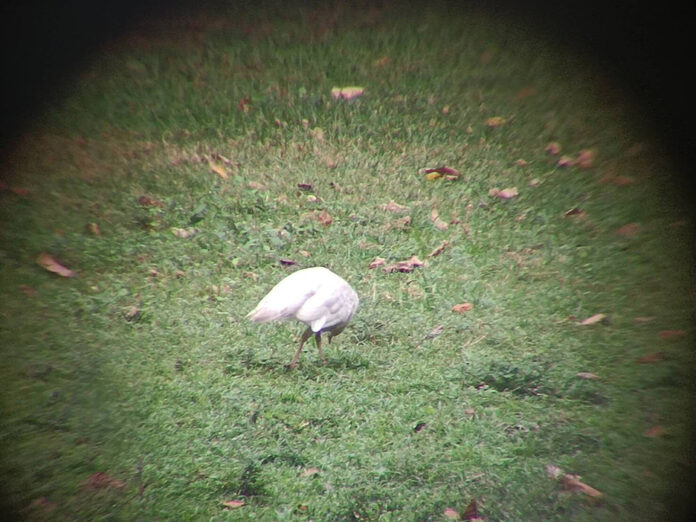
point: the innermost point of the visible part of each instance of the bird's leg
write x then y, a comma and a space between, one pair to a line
317, 338
307, 333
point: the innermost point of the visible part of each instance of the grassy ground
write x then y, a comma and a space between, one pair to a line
197, 153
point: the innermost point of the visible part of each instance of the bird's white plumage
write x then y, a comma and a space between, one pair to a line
315, 296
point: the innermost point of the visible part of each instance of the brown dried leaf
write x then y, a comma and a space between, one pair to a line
244, 104
671, 335
472, 513
651, 358
439, 250
655, 431
450, 513
525, 92
462, 308
323, 218
381, 62
147, 201
255, 185
628, 230
310, 471
103, 480
233, 504
553, 148
495, 121
405, 266
393, 206
435, 218
377, 261
401, 223
572, 482
27, 290
593, 319
585, 158
47, 262
93, 228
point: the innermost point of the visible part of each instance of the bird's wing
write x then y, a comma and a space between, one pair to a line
329, 306
282, 302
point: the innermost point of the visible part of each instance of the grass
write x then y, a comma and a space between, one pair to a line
136, 390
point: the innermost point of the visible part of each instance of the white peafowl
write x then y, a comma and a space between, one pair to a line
315, 296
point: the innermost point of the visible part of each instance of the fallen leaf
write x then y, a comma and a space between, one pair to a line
255, 185
553, 148
288, 262
585, 158
310, 471
472, 513
233, 504
131, 313
28, 290
587, 375
438, 172
377, 261
252, 275
305, 186
671, 335
495, 121
469, 412
93, 228
102, 480
450, 513
525, 92
47, 262
593, 319
642, 320
147, 201
520, 162
323, 218
244, 104
420, 426
565, 161
401, 223
439, 250
218, 168
311, 198
462, 308
381, 62
346, 93
575, 212
393, 206
572, 482
405, 266
628, 230
655, 431
435, 332
435, 218
185, 233
507, 193
304, 253
651, 358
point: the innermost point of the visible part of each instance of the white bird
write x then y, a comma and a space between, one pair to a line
316, 296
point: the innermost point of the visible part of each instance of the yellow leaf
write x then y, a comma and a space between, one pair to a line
218, 169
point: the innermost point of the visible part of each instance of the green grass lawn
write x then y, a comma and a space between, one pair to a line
181, 172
